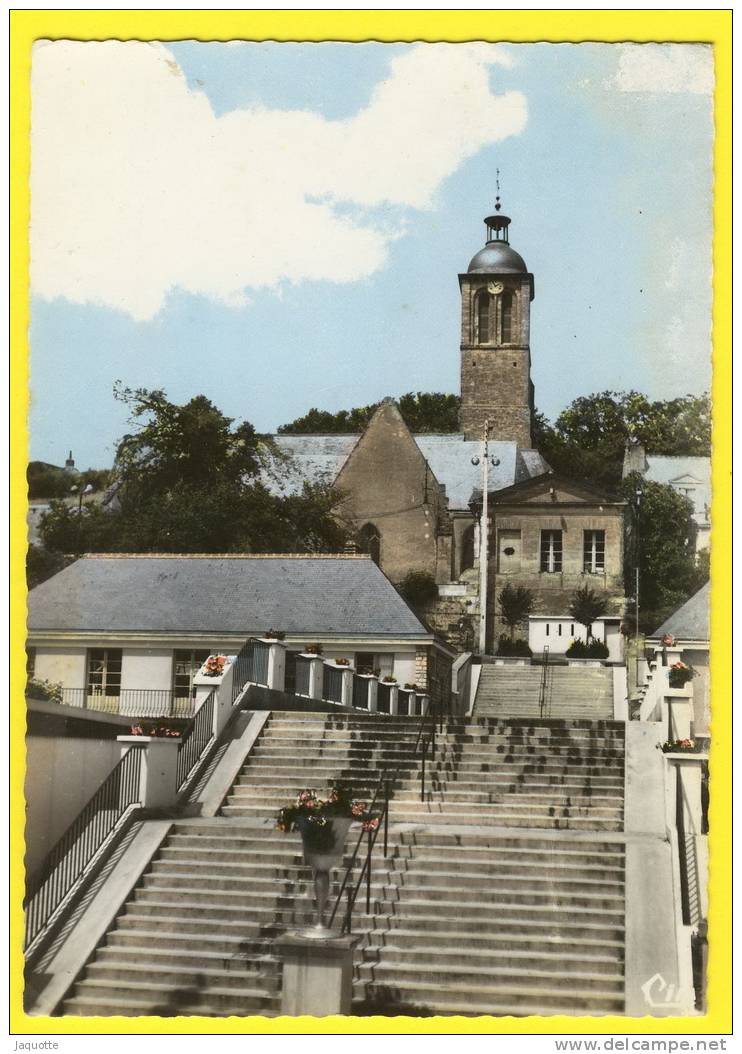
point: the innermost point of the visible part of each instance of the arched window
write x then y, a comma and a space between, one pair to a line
467, 549
371, 541
506, 319
483, 318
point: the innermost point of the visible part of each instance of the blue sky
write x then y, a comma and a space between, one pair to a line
281, 226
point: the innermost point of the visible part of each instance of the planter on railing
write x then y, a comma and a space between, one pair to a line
68, 861
406, 702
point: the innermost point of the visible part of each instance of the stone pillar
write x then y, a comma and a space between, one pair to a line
317, 975
222, 688
276, 663
157, 774
316, 676
347, 693
373, 692
393, 699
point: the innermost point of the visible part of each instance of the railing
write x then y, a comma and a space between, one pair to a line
131, 702
384, 698
250, 665
196, 738
360, 692
544, 682
72, 855
333, 684
301, 681
424, 743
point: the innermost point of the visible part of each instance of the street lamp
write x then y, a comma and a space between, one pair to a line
81, 492
638, 493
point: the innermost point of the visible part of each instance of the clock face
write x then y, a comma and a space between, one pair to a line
495, 288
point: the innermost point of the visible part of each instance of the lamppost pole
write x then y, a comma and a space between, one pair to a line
484, 543
637, 553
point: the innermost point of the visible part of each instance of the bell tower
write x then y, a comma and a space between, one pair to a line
496, 295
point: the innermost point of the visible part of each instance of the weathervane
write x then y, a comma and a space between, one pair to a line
497, 184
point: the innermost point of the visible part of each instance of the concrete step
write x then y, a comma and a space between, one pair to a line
508, 999
494, 978
108, 997
204, 976
424, 942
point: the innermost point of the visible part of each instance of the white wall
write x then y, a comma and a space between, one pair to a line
147, 668
65, 665
538, 637
404, 667
62, 774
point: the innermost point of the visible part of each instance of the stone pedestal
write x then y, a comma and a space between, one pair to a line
317, 975
157, 774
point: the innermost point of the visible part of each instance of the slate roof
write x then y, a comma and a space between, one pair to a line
691, 621
319, 458
317, 596
680, 472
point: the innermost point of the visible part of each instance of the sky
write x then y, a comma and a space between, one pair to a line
281, 226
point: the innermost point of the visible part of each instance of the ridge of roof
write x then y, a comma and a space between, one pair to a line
225, 556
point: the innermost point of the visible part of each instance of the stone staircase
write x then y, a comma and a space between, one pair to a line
502, 893
572, 692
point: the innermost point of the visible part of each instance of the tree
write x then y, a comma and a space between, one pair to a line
419, 588
589, 437
190, 482
585, 607
516, 604
661, 535
423, 412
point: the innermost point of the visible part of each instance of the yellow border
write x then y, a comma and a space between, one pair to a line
713, 27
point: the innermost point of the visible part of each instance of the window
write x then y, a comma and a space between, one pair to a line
371, 541
364, 662
104, 671
483, 318
30, 661
186, 664
593, 552
551, 551
467, 548
506, 319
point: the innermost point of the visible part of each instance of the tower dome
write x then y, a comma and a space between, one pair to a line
497, 255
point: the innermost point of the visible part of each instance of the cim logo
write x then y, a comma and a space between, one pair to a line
663, 996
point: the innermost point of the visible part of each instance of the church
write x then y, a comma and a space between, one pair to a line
416, 500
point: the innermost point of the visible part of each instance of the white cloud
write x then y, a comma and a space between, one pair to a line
138, 189
665, 68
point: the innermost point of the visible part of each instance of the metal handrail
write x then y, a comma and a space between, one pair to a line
69, 859
544, 674
384, 782
130, 702
250, 665
196, 738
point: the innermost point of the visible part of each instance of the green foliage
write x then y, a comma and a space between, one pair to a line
512, 648
588, 439
665, 531
189, 483
516, 604
48, 481
47, 691
594, 649
419, 588
42, 564
585, 606
423, 412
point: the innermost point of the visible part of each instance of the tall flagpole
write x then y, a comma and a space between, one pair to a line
484, 543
